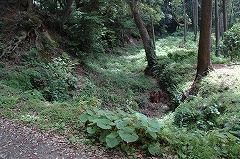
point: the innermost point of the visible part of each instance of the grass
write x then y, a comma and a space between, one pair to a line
117, 79
114, 81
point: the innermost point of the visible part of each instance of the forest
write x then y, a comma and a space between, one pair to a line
120, 79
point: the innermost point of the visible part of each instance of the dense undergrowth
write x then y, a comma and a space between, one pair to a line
98, 98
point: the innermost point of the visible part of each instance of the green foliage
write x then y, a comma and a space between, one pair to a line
183, 56
62, 112
231, 42
20, 78
101, 26
58, 79
55, 80
87, 28
172, 80
199, 113
201, 144
151, 13
113, 129
219, 59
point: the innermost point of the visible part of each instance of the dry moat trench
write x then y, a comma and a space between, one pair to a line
18, 141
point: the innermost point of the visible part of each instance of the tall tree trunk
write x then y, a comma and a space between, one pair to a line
224, 15
221, 30
67, 10
147, 43
195, 18
216, 28
152, 26
78, 3
185, 20
30, 5
204, 62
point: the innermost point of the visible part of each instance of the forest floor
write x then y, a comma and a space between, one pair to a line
19, 141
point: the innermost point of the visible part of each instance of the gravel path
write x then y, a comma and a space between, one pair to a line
20, 142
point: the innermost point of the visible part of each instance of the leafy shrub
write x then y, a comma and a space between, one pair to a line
199, 113
172, 78
200, 144
87, 29
231, 42
55, 80
58, 81
182, 55
123, 129
20, 78
219, 59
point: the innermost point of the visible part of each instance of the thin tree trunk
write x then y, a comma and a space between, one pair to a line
221, 30
30, 5
147, 43
216, 28
185, 21
78, 3
195, 18
67, 10
152, 26
225, 15
204, 62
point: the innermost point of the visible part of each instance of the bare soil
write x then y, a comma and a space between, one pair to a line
20, 142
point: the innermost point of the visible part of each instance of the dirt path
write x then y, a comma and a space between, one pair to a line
20, 142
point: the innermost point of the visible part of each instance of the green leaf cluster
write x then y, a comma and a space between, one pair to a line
121, 129
173, 77
199, 113
231, 42
55, 80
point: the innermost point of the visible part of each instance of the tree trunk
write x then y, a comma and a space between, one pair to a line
195, 18
216, 28
30, 5
185, 20
152, 26
78, 3
147, 43
221, 30
204, 62
67, 10
224, 15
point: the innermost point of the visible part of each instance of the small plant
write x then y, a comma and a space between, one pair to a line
57, 81
123, 129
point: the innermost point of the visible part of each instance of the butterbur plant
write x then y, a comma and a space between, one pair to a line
116, 129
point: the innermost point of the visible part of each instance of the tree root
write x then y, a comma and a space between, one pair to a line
20, 39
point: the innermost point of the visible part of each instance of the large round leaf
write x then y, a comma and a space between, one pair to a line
92, 129
128, 134
122, 124
103, 123
154, 148
84, 117
113, 139
153, 126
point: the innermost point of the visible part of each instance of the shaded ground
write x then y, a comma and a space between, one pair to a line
20, 142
